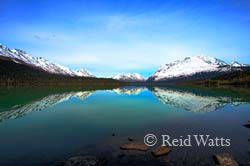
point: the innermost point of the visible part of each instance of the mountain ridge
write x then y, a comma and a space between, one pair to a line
130, 77
194, 66
189, 68
22, 57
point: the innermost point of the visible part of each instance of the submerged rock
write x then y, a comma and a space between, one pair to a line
161, 151
225, 159
247, 126
134, 146
84, 161
130, 139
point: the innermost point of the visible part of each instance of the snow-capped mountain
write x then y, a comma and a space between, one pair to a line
20, 56
83, 73
129, 77
237, 64
191, 66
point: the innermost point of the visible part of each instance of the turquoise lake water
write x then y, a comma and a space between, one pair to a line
44, 126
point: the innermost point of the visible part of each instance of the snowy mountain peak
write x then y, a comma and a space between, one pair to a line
203, 59
237, 64
129, 77
210, 60
188, 66
83, 73
20, 56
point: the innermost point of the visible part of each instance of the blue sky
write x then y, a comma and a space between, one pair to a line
120, 36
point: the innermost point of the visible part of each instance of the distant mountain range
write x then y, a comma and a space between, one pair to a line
130, 77
190, 68
21, 57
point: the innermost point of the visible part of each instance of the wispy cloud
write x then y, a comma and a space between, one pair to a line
140, 36
100, 56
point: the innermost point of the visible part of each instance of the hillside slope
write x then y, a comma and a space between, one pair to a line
236, 78
16, 74
21, 57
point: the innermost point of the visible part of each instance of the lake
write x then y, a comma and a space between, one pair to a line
43, 126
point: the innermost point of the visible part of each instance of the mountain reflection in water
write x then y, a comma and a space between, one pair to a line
43, 126
194, 102
130, 90
18, 111
183, 99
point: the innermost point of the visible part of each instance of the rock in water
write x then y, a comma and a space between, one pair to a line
130, 139
225, 159
247, 126
82, 161
134, 146
161, 151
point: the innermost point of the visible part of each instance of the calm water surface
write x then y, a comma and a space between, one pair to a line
43, 126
